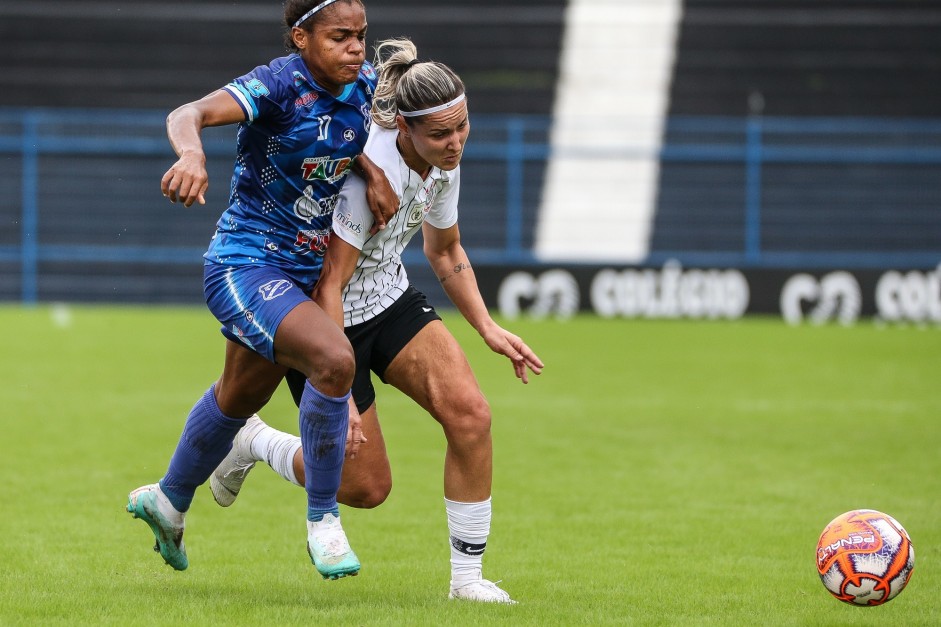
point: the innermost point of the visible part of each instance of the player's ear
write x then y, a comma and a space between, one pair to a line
402, 126
299, 37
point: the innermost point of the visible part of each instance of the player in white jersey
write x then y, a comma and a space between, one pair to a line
418, 135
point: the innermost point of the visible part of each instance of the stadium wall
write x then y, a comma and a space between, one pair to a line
796, 139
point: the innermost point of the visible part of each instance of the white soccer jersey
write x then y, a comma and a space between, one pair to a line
380, 278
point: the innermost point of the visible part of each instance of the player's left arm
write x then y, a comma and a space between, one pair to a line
452, 267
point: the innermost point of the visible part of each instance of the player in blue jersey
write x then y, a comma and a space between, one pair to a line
420, 125
302, 124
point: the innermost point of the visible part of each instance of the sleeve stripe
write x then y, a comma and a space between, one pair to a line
238, 92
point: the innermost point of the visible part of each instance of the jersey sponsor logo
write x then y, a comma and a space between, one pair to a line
270, 246
325, 168
307, 207
275, 288
306, 100
346, 221
311, 241
349, 134
368, 71
257, 88
307, 93
426, 309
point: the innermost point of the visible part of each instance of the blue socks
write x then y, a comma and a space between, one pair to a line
323, 422
206, 440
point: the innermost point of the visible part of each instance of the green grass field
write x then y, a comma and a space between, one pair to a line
658, 472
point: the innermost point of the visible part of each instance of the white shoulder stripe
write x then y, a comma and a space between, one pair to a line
238, 95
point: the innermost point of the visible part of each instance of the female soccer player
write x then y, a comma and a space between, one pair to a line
420, 127
303, 122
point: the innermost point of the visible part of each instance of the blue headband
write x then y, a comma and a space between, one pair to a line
307, 15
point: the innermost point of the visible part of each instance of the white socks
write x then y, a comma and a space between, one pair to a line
469, 526
277, 449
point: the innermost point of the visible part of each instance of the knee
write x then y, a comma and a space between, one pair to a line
467, 422
367, 496
332, 371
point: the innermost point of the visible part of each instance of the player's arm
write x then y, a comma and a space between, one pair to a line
339, 263
452, 267
382, 199
187, 179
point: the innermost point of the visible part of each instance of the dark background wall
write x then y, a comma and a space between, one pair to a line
866, 60
149, 57
160, 54
809, 57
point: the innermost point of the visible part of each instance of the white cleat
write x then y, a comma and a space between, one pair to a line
227, 479
480, 590
329, 549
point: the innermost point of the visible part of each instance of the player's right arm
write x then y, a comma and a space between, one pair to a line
187, 179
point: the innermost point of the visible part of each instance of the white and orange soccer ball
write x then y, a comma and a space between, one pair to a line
865, 557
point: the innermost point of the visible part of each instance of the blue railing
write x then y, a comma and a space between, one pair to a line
513, 143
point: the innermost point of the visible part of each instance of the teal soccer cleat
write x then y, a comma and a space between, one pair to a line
151, 505
329, 549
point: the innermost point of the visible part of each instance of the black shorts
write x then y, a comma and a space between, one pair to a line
376, 343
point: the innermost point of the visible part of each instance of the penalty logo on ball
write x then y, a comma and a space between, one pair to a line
865, 557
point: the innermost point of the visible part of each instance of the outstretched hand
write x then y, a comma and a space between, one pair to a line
505, 343
186, 180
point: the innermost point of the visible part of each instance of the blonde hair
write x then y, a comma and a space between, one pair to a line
405, 84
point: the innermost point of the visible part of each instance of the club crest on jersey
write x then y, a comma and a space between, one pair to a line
307, 208
311, 241
274, 289
416, 214
325, 168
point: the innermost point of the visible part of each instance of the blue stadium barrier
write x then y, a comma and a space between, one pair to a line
38, 144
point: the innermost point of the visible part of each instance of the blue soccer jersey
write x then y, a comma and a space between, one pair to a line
293, 151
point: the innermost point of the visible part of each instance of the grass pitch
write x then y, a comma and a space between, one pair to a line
657, 473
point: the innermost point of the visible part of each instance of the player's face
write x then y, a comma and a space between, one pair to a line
335, 48
439, 138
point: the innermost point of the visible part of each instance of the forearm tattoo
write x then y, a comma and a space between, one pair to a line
457, 270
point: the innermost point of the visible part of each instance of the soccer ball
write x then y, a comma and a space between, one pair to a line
865, 557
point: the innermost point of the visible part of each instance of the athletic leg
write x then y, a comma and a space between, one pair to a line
433, 370
309, 341
206, 439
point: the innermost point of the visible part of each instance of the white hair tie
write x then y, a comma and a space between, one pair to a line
307, 15
441, 107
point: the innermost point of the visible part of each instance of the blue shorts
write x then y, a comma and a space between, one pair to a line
251, 301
